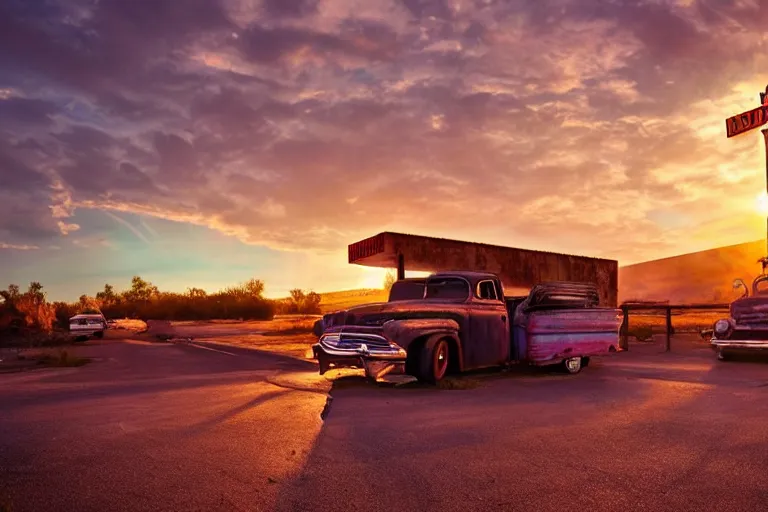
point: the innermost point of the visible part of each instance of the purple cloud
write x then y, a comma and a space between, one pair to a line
308, 124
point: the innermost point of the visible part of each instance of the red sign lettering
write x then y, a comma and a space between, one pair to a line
746, 121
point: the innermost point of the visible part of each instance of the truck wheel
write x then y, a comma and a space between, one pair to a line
572, 365
99, 334
433, 363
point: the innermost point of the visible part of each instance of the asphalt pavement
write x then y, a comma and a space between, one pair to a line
209, 427
155, 427
662, 432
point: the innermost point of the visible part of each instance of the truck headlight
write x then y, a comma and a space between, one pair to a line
722, 327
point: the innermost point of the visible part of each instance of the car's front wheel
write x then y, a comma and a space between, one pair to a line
434, 361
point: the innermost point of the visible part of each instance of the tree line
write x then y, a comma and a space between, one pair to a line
143, 300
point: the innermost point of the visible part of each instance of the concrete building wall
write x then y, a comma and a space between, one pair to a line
517, 268
700, 277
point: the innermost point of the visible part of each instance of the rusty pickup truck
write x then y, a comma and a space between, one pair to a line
464, 321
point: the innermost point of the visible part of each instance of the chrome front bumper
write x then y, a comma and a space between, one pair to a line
718, 344
370, 352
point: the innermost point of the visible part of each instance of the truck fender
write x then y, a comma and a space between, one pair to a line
405, 332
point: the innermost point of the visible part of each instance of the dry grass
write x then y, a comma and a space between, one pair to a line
334, 301
298, 346
292, 324
130, 324
286, 335
684, 322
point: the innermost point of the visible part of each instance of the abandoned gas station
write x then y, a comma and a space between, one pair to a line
517, 268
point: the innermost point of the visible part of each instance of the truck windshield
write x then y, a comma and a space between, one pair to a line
449, 288
406, 290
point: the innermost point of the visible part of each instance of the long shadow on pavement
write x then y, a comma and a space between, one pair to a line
138, 374
594, 440
206, 425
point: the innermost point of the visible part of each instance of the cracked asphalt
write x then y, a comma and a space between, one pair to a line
179, 427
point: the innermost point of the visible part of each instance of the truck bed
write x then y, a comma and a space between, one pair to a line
548, 336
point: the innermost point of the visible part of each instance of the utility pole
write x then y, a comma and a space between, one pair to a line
765, 139
747, 121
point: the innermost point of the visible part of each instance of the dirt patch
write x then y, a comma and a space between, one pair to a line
288, 332
36, 339
62, 358
459, 383
17, 365
160, 328
41, 358
297, 346
287, 335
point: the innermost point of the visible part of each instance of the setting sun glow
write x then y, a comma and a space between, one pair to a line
762, 203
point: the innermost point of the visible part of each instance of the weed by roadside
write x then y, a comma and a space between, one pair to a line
291, 326
642, 332
62, 358
458, 383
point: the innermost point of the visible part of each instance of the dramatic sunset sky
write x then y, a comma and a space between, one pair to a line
204, 142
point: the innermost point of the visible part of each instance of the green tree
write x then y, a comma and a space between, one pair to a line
141, 290
301, 302
298, 296
13, 292
312, 303
88, 305
36, 293
106, 297
389, 280
196, 293
254, 287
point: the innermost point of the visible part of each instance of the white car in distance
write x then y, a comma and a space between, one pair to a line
86, 325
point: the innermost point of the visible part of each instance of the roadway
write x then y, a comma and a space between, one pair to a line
181, 427
150, 426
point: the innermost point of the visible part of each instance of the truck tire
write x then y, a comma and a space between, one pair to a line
99, 334
573, 365
434, 360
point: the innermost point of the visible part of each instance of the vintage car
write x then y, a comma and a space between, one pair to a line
463, 321
88, 324
746, 327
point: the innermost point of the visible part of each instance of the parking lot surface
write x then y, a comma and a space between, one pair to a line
209, 427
